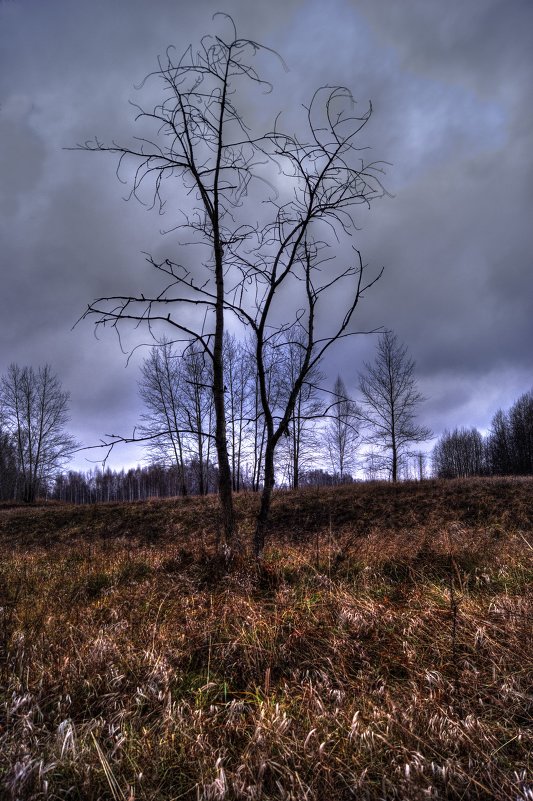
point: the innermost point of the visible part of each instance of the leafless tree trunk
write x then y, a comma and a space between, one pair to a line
238, 384
301, 441
259, 430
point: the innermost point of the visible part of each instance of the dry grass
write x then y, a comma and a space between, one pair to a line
383, 651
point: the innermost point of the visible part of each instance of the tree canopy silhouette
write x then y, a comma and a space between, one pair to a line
256, 249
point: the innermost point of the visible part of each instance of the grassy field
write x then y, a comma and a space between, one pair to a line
384, 650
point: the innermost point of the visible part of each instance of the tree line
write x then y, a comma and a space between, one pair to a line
156, 480
325, 429
329, 437
324, 432
506, 450
178, 423
139, 483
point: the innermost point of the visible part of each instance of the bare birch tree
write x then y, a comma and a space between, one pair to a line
34, 409
199, 138
252, 254
301, 443
161, 389
197, 405
390, 402
238, 373
341, 434
459, 454
8, 466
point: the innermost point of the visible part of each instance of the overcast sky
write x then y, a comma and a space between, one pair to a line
450, 85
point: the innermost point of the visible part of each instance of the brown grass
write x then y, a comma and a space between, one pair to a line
383, 651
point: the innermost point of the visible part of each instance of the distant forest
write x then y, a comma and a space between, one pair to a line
331, 438
507, 450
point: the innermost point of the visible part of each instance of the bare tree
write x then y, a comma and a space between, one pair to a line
238, 374
510, 441
499, 446
201, 140
389, 402
299, 447
197, 405
34, 410
161, 389
298, 253
246, 268
341, 434
306, 267
255, 407
459, 454
521, 423
8, 466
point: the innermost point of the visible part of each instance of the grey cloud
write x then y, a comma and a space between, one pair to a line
480, 43
450, 86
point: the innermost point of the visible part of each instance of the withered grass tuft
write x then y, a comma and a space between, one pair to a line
384, 650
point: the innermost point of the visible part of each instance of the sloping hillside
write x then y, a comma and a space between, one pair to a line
383, 650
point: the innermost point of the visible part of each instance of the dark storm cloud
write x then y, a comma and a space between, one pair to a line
450, 86
484, 44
